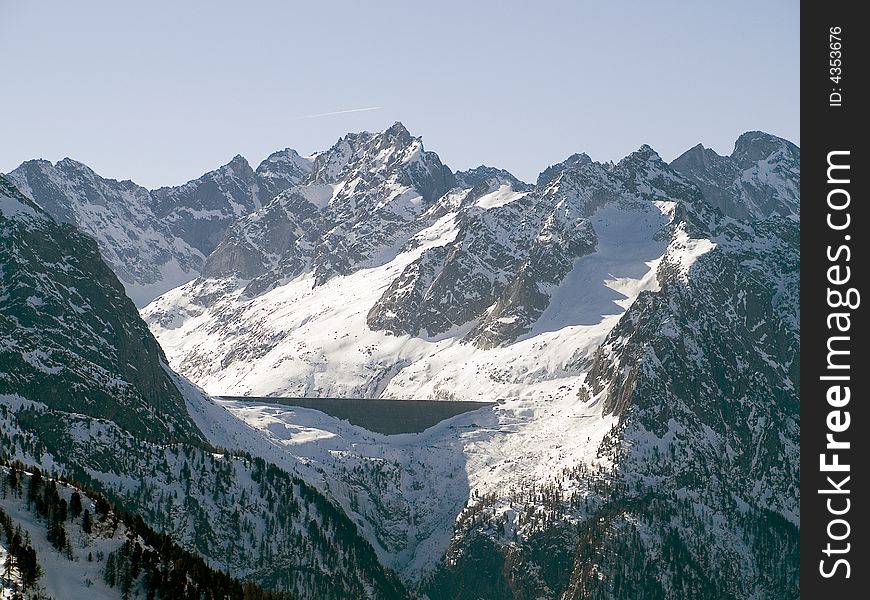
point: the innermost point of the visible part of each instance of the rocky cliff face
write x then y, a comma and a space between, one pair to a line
71, 339
702, 495
85, 391
157, 240
757, 180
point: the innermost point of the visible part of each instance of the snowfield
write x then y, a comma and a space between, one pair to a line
301, 340
71, 579
405, 491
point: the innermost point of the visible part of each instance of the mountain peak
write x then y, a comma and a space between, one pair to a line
483, 173
397, 136
238, 162
761, 177
284, 160
754, 146
756, 135
397, 129
72, 164
36, 162
285, 153
390, 152
646, 152
552, 172
641, 159
696, 158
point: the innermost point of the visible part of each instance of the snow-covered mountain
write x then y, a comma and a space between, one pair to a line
438, 295
156, 240
760, 178
200, 211
361, 199
634, 330
694, 492
58, 540
85, 391
140, 249
638, 322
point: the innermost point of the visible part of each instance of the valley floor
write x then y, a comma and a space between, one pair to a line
406, 490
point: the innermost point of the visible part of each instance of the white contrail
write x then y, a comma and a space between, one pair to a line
341, 112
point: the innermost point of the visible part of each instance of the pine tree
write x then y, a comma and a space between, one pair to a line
33, 487
102, 507
75, 505
56, 533
8, 565
110, 574
13, 481
86, 521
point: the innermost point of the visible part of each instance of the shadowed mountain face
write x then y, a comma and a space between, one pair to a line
85, 390
760, 178
705, 378
71, 339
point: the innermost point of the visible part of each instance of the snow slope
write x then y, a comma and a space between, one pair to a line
405, 491
302, 340
72, 577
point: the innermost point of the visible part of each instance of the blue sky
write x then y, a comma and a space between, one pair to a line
159, 92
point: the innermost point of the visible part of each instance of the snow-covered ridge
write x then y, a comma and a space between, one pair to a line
589, 295
156, 240
304, 340
141, 250
372, 290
